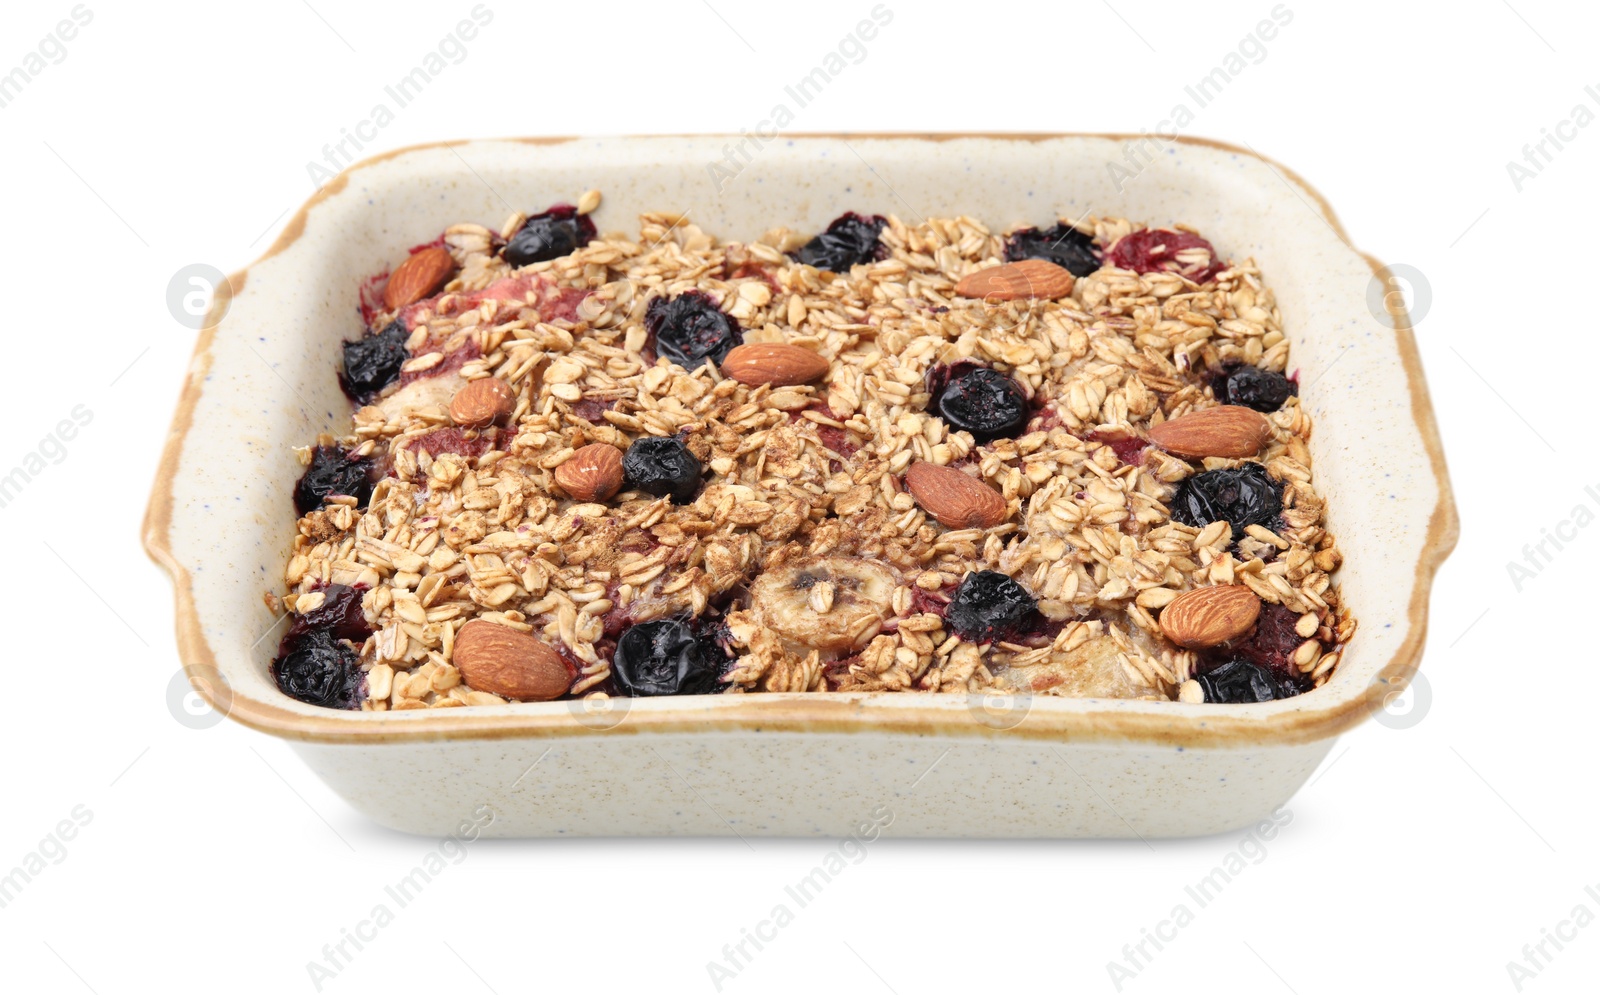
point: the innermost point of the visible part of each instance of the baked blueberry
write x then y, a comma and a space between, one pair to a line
373, 362
1062, 244
1253, 387
666, 657
340, 614
989, 605
557, 232
976, 399
848, 240
690, 329
321, 669
1242, 681
1240, 497
662, 465
333, 471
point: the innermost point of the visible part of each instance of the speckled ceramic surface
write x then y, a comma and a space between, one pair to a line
263, 380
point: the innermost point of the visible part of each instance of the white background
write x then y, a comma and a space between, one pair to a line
1418, 859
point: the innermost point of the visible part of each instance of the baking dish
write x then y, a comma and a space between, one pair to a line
777, 764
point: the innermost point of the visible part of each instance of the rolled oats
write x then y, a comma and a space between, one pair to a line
805, 481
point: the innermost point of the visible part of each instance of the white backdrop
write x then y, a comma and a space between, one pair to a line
1427, 853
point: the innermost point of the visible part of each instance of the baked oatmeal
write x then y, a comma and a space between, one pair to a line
887, 457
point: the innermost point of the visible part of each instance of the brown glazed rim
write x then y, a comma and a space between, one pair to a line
1229, 727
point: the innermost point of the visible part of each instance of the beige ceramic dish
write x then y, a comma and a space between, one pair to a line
262, 380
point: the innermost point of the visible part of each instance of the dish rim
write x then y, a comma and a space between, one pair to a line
1226, 726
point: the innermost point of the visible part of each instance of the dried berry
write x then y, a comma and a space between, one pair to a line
321, 669
1240, 681
1270, 645
1240, 497
989, 605
666, 657
662, 465
373, 362
333, 471
340, 614
976, 399
850, 239
1161, 250
557, 232
1252, 387
689, 329
1062, 244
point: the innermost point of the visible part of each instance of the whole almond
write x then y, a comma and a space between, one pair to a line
1011, 281
1229, 431
419, 276
1210, 616
482, 403
593, 473
500, 660
955, 499
773, 363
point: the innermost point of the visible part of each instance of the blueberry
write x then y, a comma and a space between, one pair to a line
989, 606
689, 329
557, 232
340, 614
1239, 681
315, 663
1240, 497
373, 362
1256, 388
1061, 244
662, 465
333, 471
666, 657
320, 669
850, 239
976, 399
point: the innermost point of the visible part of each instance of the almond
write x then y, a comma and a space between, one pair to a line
1024, 278
500, 660
955, 499
1210, 616
773, 363
419, 276
1229, 431
593, 473
482, 403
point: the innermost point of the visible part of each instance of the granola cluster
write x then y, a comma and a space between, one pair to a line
804, 562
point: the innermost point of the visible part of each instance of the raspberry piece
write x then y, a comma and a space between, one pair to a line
1161, 250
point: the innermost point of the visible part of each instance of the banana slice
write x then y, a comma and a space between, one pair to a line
424, 392
1092, 670
832, 603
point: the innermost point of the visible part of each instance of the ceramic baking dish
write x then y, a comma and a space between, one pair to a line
262, 381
